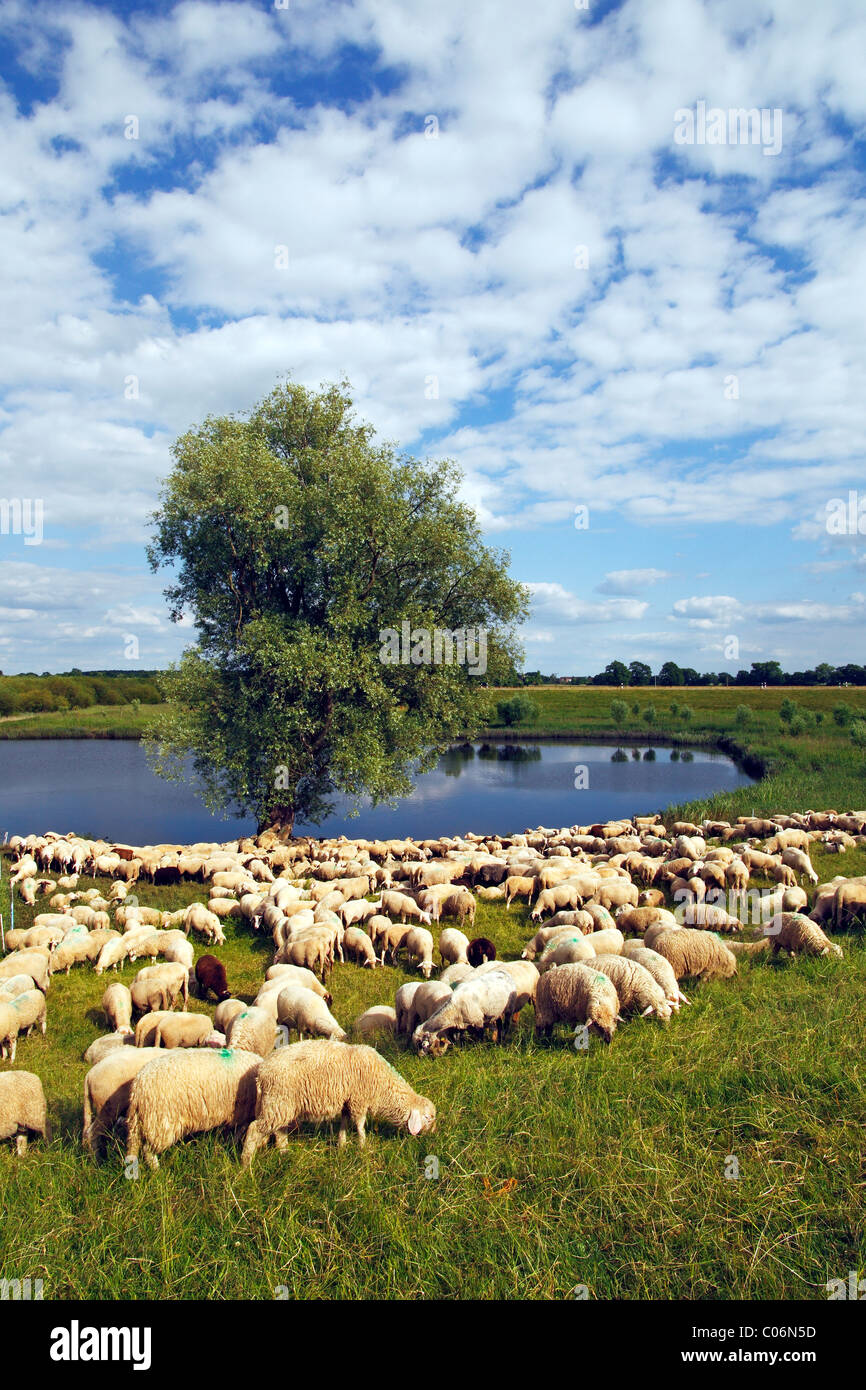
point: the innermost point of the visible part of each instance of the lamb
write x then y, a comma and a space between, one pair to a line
9, 1024
708, 915
799, 935
660, 969
418, 943
210, 974
696, 953
225, 1012
188, 1091
107, 1088
23, 1112
254, 1030
576, 994
390, 940
101, 1047
637, 919
478, 1003
182, 1030
424, 1002
458, 903
479, 950
305, 1012
21, 1014
359, 947
117, 1007
381, 1018
158, 987
403, 1004
453, 946
636, 988
317, 1081
518, 886
297, 975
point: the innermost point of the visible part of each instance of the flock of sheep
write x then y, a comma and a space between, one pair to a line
606, 947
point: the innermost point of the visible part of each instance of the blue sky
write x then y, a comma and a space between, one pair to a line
493, 232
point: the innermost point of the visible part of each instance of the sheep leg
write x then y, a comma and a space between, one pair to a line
344, 1124
252, 1142
21, 1145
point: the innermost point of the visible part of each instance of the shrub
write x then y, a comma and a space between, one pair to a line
635, 709
843, 715
649, 715
787, 711
742, 716
518, 710
858, 733
618, 712
687, 714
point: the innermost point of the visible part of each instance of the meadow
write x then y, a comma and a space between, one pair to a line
551, 1171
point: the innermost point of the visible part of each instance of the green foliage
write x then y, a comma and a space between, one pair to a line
297, 541
858, 733
843, 715
787, 710
619, 712
518, 710
742, 716
686, 714
650, 714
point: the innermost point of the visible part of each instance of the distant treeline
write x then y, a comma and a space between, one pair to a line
760, 673
29, 693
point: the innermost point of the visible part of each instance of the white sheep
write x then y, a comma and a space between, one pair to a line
453, 945
418, 944
188, 1091
660, 969
381, 1018
107, 1088
117, 1007
576, 994
636, 988
23, 1111
300, 1010
479, 1003
253, 1030
101, 1047
316, 1081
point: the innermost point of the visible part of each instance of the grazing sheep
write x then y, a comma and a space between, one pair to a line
660, 969
453, 946
32, 963
300, 1010
253, 1030
708, 915
317, 1081
101, 1047
480, 950
518, 886
799, 935
602, 919
23, 1112
206, 924
544, 936
145, 1028
636, 988
418, 944
564, 895
566, 949
187, 1092
30, 1007
390, 940
182, 1030
637, 919
800, 862
210, 974
381, 1018
399, 905
696, 953
525, 977
359, 947
477, 1004
107, 1088
117, 1007
312, 953
225, 1012
576, 994
9, 1024
848, 902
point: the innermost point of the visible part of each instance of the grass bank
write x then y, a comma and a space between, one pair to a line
95, 721
608, 1168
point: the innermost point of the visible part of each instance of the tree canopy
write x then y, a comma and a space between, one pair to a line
298, 539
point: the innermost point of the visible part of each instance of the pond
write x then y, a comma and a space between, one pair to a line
104, 788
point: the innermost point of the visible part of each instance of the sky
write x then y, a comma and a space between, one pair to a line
530, 236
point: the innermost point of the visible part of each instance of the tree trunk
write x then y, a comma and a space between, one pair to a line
282, 823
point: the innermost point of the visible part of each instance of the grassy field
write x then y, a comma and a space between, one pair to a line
96, 721
556, 1168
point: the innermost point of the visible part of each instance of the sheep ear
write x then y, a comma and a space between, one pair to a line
415, 1121
684, 1000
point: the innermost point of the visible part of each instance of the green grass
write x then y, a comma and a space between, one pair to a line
556, 1167
96, 721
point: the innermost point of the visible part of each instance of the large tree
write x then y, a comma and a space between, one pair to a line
298, 539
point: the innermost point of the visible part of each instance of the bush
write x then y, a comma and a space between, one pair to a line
742, 716
843, 715
674, 708
796, 726
687, 714
787, 711
517, 710
618, 712
635, 709
650, 755
649, 715
858, 733
620, 756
